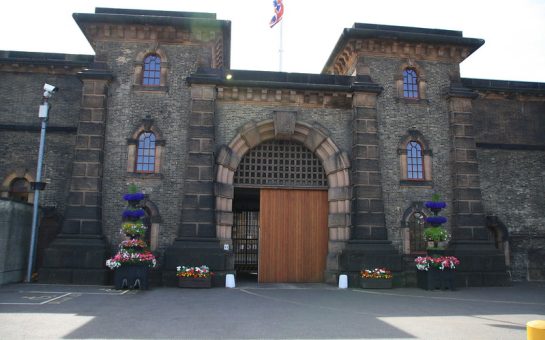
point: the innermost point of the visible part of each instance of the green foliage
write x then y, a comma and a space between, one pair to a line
436, 234
436, 197
132, 189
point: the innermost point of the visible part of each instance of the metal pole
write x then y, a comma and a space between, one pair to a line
33, 237
280, 50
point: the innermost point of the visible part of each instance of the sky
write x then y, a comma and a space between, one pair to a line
513, 30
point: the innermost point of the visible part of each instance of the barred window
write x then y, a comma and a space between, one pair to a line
416, 232
152, 70
410, 83
415, 169
280, 163
145, 161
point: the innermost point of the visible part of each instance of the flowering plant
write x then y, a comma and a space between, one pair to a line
440, 262
133, 250
436, 234
376, 273
133, 243
129, 256
194, 272
134, 228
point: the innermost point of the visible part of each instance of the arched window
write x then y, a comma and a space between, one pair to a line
145, 160
415, 159
410, 83
416, 232
18, 189
145, 149
415, 166
152, 70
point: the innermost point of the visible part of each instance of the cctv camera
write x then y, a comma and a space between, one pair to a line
50, 88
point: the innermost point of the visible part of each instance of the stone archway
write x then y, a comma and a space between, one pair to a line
335, 162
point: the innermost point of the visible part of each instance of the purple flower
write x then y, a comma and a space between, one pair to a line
435, 205
134, 197
133, 213
436, 220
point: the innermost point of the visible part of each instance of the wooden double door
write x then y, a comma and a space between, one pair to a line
293, 235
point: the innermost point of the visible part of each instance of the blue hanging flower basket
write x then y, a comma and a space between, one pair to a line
133, 214
435, 205
134, 197
436, 220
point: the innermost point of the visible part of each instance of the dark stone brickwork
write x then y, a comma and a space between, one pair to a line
395, 116
509, 120
23, 155
511, 182
232, 115
170, 111
21, 95
368, 215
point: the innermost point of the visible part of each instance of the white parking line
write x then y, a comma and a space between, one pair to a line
63, 295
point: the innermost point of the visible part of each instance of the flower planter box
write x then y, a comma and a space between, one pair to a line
195, 282
436, 279
131, 276
368, 283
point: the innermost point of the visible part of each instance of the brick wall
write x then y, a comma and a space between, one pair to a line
395, 117
21, 95
231, 116
169, 109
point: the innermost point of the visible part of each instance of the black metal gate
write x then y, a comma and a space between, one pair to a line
245, 239
416, 232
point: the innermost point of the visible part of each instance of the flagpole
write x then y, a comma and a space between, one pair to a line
280, 48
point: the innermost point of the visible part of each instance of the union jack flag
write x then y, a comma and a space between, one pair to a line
278, 12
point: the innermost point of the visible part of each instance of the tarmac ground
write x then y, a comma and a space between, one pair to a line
268, 311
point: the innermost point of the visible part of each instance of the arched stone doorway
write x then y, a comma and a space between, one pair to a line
313, 138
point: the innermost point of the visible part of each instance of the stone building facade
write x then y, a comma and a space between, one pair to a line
224, 138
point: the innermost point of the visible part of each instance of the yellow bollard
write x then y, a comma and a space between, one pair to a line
535, 330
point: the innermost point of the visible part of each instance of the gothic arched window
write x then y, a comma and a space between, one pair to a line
152, 70
415, 161
410, 83
145, 158
415, 158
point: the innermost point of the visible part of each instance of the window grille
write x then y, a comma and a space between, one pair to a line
280, 163
245, 239
416, 232
414, 161
145, 161
152, 70
410, 83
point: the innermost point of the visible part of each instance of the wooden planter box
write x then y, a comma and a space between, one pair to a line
367, 283
195, 282
131, 276
436, 279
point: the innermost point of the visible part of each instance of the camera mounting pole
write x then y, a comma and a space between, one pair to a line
43, 114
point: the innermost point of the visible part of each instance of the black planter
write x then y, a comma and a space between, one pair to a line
368, 283
195, 282
436, 279
131, 276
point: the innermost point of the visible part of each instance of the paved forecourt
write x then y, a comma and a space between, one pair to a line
316, 311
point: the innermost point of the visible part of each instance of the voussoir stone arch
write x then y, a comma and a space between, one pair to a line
316, 138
